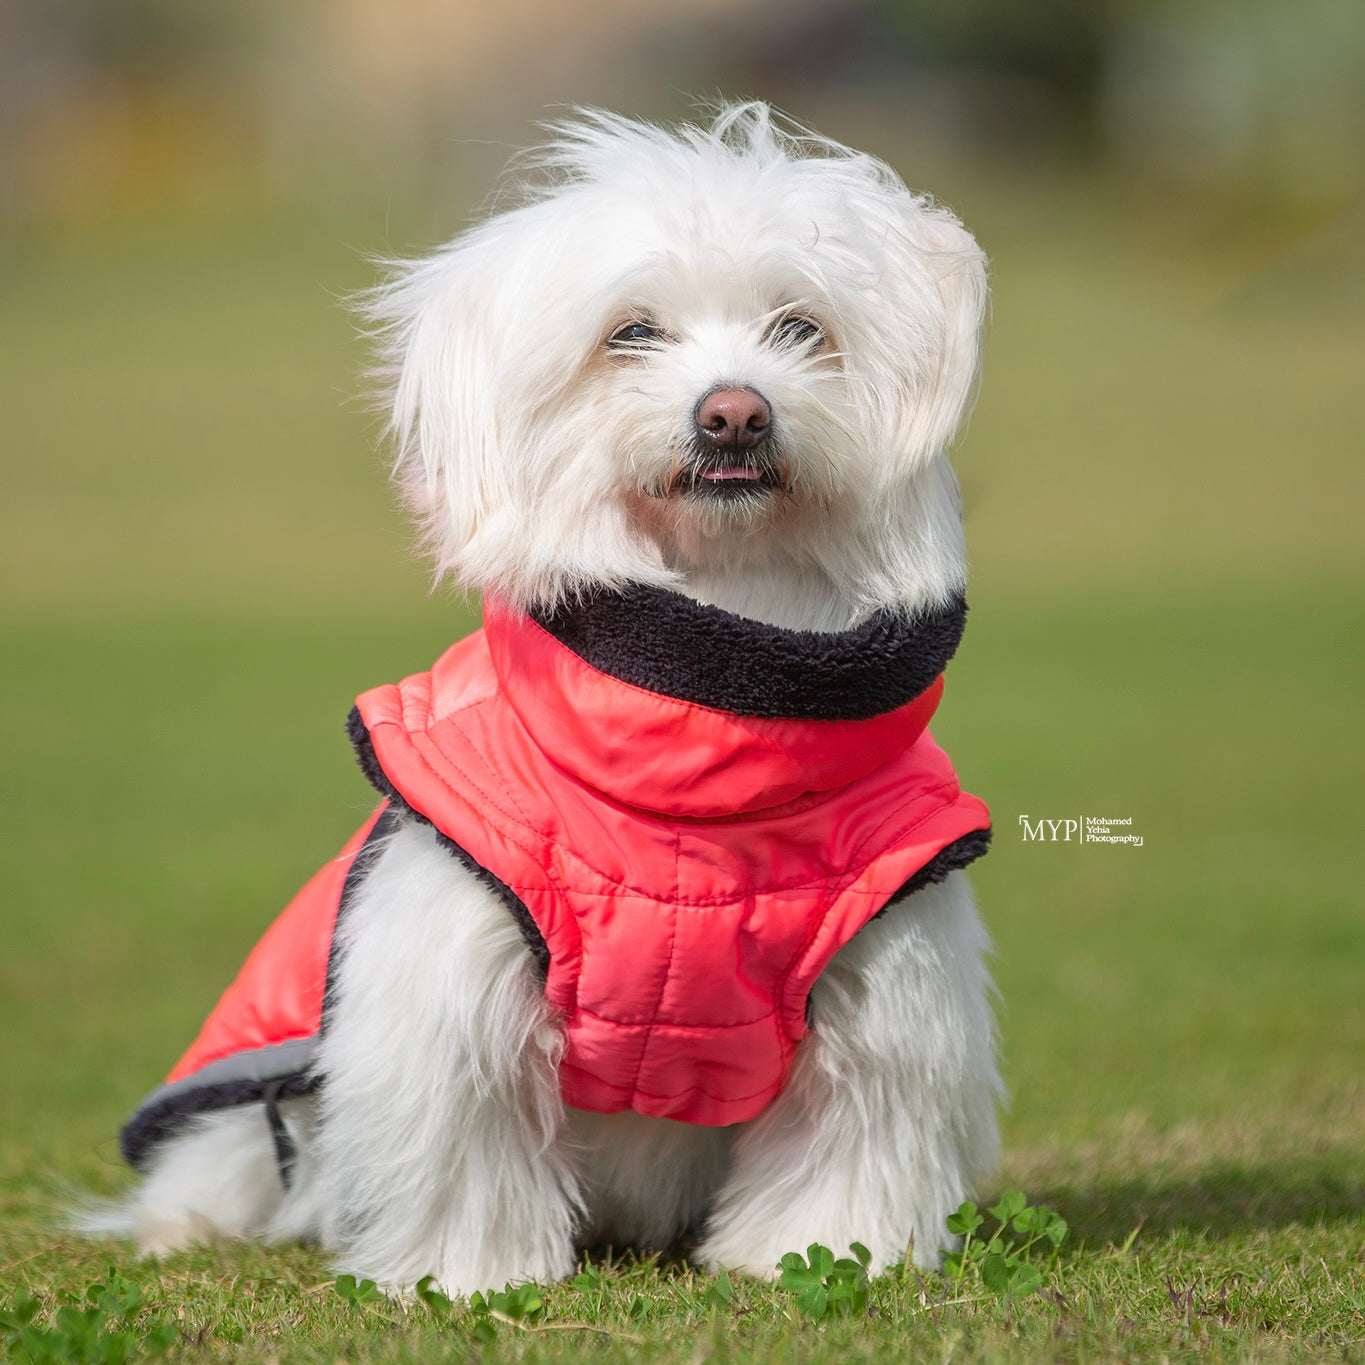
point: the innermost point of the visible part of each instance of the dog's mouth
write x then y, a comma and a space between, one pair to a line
727, 476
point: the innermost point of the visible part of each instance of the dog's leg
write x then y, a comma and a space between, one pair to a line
889, 1115
217, 1179
440, 1102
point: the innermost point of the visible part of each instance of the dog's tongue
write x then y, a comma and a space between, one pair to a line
732, 471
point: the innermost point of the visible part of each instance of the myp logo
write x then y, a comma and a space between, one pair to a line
1084, 829
1050, 831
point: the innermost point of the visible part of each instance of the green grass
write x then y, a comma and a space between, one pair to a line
201, 568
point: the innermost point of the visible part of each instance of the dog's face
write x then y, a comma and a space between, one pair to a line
690, 354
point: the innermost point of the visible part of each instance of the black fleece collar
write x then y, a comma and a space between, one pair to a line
669, 644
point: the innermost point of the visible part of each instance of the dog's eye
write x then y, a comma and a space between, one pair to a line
797, 330
635, 335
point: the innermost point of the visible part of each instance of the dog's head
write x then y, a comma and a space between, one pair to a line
721, 350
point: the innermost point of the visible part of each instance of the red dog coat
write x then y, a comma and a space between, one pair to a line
688, 813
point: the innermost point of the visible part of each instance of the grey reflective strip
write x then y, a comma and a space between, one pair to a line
262, 1064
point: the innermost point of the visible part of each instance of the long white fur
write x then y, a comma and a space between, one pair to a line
526, 459
534, 463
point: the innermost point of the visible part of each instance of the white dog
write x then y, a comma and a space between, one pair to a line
681, 416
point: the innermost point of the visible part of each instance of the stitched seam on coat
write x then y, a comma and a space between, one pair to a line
769, 1089
818, 921
668, 968
699, 902
673, 1024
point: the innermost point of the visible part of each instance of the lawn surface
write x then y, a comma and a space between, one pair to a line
201, 566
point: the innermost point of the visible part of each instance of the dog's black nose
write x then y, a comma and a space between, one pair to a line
734, 419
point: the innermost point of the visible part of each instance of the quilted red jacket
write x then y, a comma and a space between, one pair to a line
687, 813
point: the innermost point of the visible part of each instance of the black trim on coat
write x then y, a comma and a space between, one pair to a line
943, 864
365, 857
516, 907
946, 861
286, 1149
169, 1110
669, 644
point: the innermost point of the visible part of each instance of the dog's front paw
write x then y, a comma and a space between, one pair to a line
459, 1279
713, 1265
453, 1286
759, 1256
759, 1252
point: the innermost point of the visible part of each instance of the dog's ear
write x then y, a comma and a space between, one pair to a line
941, 391
922, 346
929, 359
479, 346
441, 379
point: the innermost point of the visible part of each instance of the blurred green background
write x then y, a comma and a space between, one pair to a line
202, 562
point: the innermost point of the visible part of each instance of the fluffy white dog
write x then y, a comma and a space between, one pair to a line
720, 366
